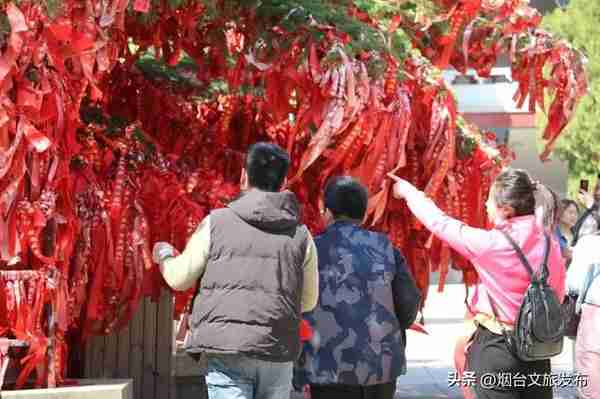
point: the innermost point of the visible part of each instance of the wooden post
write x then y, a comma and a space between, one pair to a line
149, 372
123, 353
49, 239
136, 358
51, 353
164, 347
142, 351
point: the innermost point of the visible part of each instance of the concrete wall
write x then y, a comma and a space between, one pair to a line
484, 95
85, 389
553, 173
545, 6
488, 97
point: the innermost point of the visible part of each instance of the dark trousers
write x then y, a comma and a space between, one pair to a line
499, 374
380, 391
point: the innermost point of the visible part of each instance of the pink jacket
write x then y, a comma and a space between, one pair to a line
501, 273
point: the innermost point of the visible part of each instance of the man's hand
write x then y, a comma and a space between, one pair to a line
587, 199
162, 250
401, 186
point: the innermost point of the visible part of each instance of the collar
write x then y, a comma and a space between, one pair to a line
517, 220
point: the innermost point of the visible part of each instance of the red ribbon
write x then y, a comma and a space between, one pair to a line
141, 5
39, 141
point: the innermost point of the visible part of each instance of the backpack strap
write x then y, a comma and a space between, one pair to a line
505, 332
591, 212
525, 262
527, 266
520, 254
592, 273
545, 270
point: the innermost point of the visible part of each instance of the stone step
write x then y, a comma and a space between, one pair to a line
85, 389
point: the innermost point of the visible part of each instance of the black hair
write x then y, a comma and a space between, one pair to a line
566, 203
514, 188
346, 196
267, 166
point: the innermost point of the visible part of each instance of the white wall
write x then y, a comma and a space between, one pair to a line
486, 97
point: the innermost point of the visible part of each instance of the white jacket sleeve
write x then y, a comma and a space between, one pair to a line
183, 271
585, 253
310, 289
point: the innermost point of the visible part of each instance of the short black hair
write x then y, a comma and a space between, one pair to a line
346, 196
267, 166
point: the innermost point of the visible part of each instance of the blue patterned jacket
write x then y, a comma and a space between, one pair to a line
367, 298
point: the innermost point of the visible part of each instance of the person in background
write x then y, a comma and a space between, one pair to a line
569, 213
583, 279
367, 299
503, 279
256, 264
589, 221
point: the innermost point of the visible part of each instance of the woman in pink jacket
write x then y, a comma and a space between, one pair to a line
502, 278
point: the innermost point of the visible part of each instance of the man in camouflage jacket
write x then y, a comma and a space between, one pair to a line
367, 299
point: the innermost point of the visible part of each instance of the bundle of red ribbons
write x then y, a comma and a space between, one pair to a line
103, 156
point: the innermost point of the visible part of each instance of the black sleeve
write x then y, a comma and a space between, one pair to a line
406, 294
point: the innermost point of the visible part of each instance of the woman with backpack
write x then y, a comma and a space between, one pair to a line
583, 280
504, 280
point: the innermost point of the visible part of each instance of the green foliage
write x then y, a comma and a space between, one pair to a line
294, 14
158, 70
182, 76
4, 29
580, 147
52, 7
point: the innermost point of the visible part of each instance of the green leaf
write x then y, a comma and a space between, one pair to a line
580, 146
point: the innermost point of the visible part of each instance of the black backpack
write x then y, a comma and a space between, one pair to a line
539, 329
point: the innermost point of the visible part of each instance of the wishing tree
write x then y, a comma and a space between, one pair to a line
125, 122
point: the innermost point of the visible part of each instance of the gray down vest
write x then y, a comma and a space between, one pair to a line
249, 296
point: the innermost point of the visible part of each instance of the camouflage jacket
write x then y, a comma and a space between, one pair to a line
367, 298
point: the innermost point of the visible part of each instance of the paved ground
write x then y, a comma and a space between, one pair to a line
430, 357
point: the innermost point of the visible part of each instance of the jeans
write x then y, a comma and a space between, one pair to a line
241, 377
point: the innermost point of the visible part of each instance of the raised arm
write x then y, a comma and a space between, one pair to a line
468, 241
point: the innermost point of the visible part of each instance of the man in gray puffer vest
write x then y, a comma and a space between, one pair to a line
257, 267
